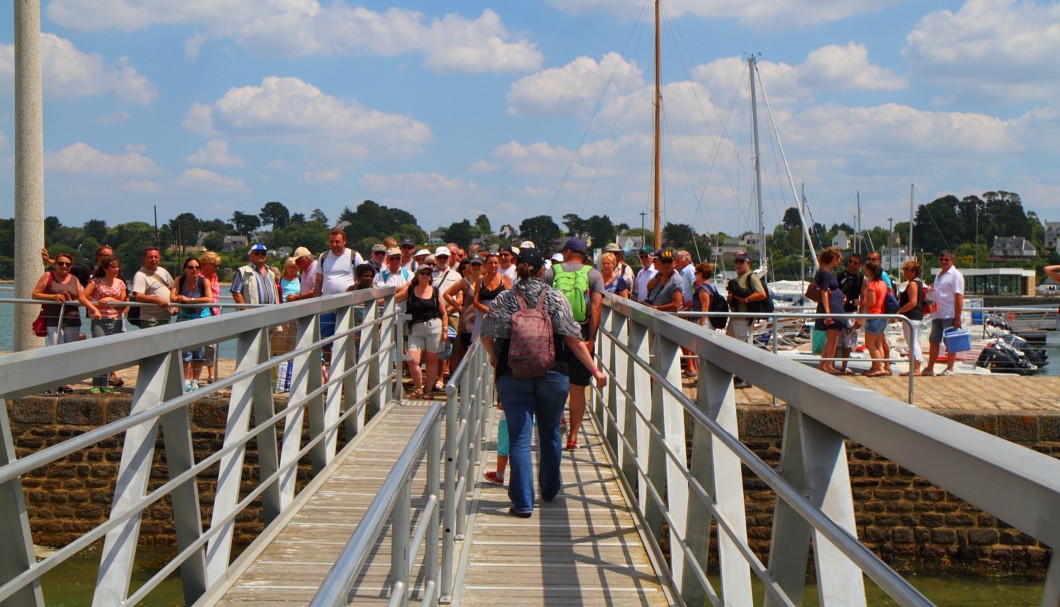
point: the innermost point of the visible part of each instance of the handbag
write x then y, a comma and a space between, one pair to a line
134, 315
40, 325
813, 292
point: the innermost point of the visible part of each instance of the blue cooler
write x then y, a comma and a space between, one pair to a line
977, 317
957, 340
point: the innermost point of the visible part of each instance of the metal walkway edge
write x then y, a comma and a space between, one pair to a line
287, 564
584, 548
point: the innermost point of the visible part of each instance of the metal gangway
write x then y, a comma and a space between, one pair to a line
386, 495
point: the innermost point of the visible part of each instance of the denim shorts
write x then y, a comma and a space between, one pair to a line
938, 325
875, 325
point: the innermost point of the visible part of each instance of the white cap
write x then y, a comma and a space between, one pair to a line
527, 244
558, 258
421, 252
443, 251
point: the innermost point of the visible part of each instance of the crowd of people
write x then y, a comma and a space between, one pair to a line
454, 297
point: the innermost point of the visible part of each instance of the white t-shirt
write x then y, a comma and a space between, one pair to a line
947, 285
643, 277
510, 273
337, 271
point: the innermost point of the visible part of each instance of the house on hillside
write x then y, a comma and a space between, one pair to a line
1052, 233
841, 241
231, 243
1012, 246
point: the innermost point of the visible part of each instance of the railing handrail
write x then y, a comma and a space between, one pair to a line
992, 469
157, 399
343, 573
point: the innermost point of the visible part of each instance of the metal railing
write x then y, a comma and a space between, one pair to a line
362, 380
643, 412
469, 395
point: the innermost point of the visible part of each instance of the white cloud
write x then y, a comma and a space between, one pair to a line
82, 159
846, 67
483, 166
453, 43
575, 86
999, 48
294, 112
330, 176
201, 179
416, 181
775, 13
68, 73
215, 154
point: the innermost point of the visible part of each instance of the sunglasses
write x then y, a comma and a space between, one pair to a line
257, 252
853, 263
191, 267
378, 252
407, 246
394, 258
945, 259
63, 264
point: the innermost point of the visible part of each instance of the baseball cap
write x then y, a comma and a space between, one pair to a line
301, 252
507, 248
527, 244
612, 247
741, 256
576, 245
442, 251
647, 251
558, 258
379, 248
407, 243
393, 251
665, 254
421, 252
475, 261
531, 257
258, 247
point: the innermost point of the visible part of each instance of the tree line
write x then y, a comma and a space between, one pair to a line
965, 225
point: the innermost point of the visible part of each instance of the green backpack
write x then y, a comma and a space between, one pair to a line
575, 287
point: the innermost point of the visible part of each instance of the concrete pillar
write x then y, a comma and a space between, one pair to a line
29, 167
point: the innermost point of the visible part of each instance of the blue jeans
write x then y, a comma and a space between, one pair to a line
101, 328
523, 399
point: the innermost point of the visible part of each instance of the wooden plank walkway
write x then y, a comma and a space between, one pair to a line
289, 568
583, 548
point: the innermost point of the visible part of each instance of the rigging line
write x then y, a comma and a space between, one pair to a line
610, 139
680, 44
637, 27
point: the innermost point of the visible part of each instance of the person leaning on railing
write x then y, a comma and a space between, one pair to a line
103, 288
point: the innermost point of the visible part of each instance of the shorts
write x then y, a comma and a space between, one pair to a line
848, 337
578, 374
938, 325
875, 326
426, 336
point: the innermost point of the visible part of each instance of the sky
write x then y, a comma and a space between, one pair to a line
449, 110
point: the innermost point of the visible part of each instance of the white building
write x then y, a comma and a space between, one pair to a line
841, 241
1052, 233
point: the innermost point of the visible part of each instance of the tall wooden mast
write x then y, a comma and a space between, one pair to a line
657, 215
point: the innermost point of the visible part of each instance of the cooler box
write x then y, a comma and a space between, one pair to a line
957, 340
977, 318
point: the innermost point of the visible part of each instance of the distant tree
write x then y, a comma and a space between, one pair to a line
185, 229
297, 218
540, 229
245, 223
792, 220
96, 228
373, 219
129, 241
7, 238
482, 227
460, 232
410, 231
937, 226
678, 235
214, 241
600, 230
576, 226
215, 225
318, 215
275, 214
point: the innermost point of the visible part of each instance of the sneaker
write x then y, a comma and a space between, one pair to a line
946, 372
194, 384
493, 477
572, 446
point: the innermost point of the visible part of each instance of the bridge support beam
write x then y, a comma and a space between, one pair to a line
17, 556
814, 461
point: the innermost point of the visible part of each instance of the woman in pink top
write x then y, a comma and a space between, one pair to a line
104, 288
209, 262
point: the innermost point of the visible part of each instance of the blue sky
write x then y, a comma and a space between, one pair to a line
517, 109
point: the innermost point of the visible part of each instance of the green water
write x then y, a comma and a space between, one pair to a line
72, 584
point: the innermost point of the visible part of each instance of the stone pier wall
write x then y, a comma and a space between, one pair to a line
909, 522
74, 494
912, 524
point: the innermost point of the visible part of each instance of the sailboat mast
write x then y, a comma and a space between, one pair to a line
658, 140
757, 167
910, 245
